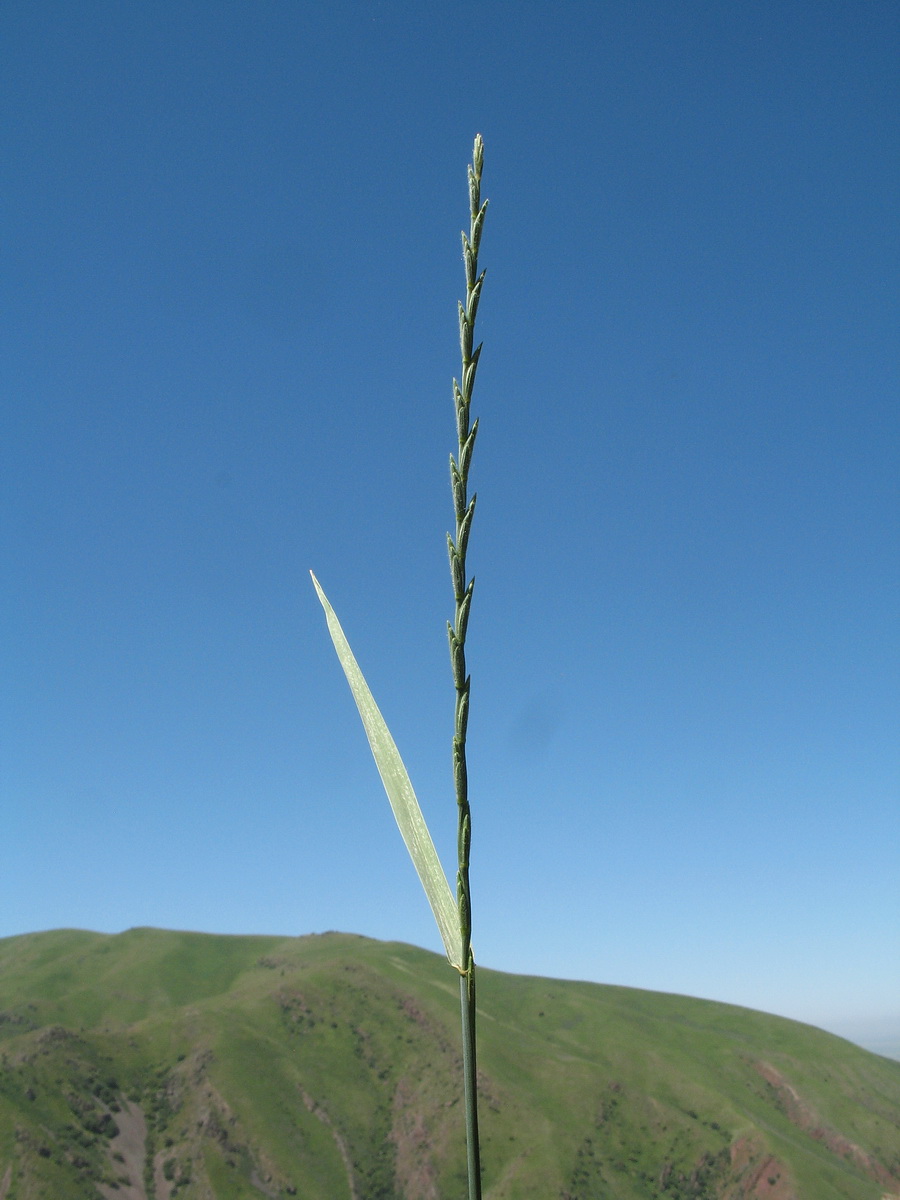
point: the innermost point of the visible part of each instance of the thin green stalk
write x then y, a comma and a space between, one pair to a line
464, 509
470, 1078
454, 920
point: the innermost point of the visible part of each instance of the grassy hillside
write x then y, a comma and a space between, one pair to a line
153, 1064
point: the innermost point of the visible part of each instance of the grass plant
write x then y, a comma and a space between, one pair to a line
454, 919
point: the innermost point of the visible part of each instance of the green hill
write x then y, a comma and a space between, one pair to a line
153, 1064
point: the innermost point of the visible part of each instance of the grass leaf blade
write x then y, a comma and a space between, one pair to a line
400, 793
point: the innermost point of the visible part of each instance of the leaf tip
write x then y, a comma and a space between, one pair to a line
318, 587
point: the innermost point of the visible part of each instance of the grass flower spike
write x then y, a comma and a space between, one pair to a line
464, 509
453, 917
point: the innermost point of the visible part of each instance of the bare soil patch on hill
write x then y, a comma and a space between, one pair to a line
128, 1150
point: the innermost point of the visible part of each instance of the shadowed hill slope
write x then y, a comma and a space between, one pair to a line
154, 1064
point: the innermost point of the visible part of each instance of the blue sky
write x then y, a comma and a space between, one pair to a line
229, 266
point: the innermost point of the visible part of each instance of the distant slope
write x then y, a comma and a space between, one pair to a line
153, 1064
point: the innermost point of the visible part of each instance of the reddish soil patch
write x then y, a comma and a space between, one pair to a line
805, 1117
131, 1143
414, 1143
759, 1176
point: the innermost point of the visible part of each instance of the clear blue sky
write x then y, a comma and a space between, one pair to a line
230, 265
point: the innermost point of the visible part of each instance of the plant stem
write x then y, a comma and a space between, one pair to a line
464, 509
470, 1078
